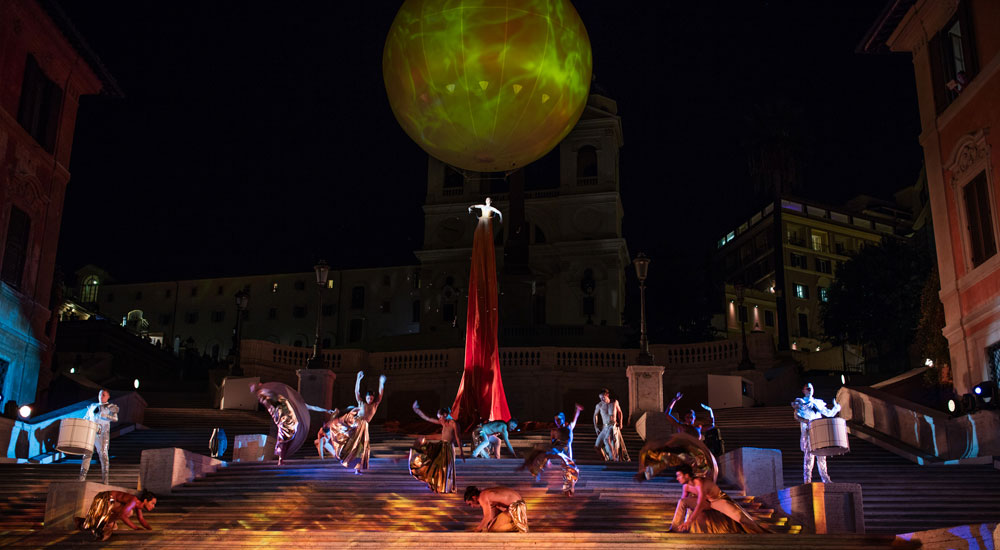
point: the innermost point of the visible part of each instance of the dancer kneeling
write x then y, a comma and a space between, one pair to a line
561, 448
110, 507
708, 509
433, 462
504, 511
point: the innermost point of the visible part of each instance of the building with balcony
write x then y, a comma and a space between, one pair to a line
786, 257
45, 67
955, 46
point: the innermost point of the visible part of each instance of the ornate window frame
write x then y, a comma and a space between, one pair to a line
969, 158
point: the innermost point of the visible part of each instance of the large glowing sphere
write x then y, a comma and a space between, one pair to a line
487, 85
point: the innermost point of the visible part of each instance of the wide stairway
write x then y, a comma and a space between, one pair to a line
318, 504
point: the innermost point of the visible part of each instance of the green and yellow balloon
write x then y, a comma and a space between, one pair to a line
487, 85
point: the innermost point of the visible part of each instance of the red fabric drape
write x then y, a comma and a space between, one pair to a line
480, 395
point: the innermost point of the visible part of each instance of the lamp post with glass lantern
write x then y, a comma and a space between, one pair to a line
745, 363
641, 263
242, 301
322, 273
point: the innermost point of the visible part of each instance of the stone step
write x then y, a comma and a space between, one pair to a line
245, 539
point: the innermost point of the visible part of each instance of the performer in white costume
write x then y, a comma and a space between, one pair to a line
807, 408
103, 413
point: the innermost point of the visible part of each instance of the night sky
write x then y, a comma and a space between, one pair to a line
258, 138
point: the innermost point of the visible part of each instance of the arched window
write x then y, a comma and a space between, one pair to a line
586, 165
88, 293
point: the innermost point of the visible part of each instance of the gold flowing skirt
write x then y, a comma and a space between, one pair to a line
513, 519
357, 446
100, 518
714, 521
433, 462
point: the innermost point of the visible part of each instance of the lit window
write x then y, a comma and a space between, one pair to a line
329, 283
274, 287
801, 291
824, 294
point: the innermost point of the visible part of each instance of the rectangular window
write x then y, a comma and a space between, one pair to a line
16, 249
803, 324
823, 266
38, 109
743, 313
165, 319
218, 316
194, 291
218, 291
448, 313
979, 219
801, 291
272, 314
168, 293
820, 241
300, 285
797, 260
138, 295
358, 297
768, 318
191, 317
328, 310
953, 57
386, 307
298, 312
110, 298
415, 313
356, 329
824, 294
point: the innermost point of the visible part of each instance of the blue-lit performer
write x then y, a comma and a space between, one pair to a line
485, 432
807, 408
102, 413
689, 424
561, 448
358, 446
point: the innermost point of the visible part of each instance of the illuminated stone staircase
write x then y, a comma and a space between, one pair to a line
319, 504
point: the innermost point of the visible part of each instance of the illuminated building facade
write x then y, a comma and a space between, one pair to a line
44, 69
786, 257
955, 47
573, 282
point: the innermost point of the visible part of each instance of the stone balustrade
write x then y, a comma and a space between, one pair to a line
929, 432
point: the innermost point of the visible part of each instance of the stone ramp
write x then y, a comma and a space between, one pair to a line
898, 495
181, 539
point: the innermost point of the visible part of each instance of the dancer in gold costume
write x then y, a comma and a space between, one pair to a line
704, 508
110, 507
335, 432
561, 448
358, 446
504, 511
433, 462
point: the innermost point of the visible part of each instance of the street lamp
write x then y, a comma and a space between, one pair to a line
322, 272
641, 263
242, 301
745, 363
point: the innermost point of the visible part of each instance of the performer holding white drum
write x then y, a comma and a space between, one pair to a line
103, 413
807, 409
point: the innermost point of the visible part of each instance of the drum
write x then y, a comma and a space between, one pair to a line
76, 436
828, 437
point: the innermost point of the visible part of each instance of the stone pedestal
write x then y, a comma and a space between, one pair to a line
755, 471
160, 470
235, 393
316, 386
645, 390
821, 508
653, 425
71, 499
253, 448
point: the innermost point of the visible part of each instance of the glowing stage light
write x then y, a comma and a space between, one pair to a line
24, 411
986, 394
843, 379
135, 383
952, 406
72, 370
487, 85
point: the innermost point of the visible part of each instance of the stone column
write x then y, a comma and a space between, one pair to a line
645, 390
316, 386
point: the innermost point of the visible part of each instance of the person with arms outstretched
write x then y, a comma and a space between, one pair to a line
358, 446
